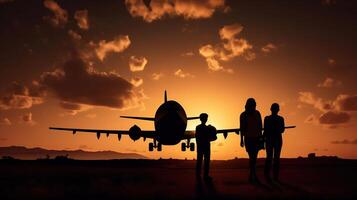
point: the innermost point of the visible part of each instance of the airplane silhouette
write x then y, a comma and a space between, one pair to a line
170, 128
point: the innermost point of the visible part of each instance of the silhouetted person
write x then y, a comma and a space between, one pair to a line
251, 132
273, 129
203, 147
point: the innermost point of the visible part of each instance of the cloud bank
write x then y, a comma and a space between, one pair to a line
188, 9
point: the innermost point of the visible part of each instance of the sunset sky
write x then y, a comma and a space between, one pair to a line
84, 63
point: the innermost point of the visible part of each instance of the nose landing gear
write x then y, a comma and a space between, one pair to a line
153, 145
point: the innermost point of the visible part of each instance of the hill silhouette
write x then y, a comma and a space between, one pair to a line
20, 152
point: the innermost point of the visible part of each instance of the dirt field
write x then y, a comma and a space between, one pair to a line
174, 179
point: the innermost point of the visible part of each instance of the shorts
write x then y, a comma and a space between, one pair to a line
252, 144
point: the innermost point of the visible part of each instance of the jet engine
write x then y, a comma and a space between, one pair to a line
135, 132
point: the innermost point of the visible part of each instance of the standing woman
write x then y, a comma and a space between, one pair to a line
251, 132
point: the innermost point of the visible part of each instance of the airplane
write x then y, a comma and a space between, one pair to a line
170, 128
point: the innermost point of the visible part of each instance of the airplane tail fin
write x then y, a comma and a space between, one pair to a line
165, 96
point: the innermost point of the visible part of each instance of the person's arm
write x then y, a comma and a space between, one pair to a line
242, 130
260, 123
282, 127
265, 126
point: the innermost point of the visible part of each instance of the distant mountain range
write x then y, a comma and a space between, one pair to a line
20, 152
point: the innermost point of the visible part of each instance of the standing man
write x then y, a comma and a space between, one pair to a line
273, 129
203, 139
251, 132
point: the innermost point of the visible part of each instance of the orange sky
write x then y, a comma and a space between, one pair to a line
80, 64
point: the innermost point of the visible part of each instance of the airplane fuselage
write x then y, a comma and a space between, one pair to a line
170, 123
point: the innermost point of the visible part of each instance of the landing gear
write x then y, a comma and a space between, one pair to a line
188, 145
192, 146
153, 145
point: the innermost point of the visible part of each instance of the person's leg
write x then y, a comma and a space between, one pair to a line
251, 175
254, 163
199, 162
207, 156
269, 158
277, 151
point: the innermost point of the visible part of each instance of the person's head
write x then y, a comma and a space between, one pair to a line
250, 105
203, 117
274, 108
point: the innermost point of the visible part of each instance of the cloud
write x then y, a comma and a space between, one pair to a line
3, 139
119, 44
331, 61
345, 141
27, 118
329, 82
137, 63
310, 99
82, 19
137, 81
334, 117
188, 9
230, 47
18, 96
334, 112
228, 32
78, 83
310, 119
188, 54
345, 102
74, 35
60, 16
180, 73
5, 121
73, 108
268, 48
157, 76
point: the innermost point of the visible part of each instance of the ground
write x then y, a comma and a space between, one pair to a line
320, 178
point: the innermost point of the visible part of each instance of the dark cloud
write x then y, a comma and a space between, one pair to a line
333, 117
334, 112
346, 102
70, 106
18, 96
3, 139
77, 83
345, 141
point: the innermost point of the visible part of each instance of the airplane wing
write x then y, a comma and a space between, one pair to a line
191, 134
140, 118
145, 134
